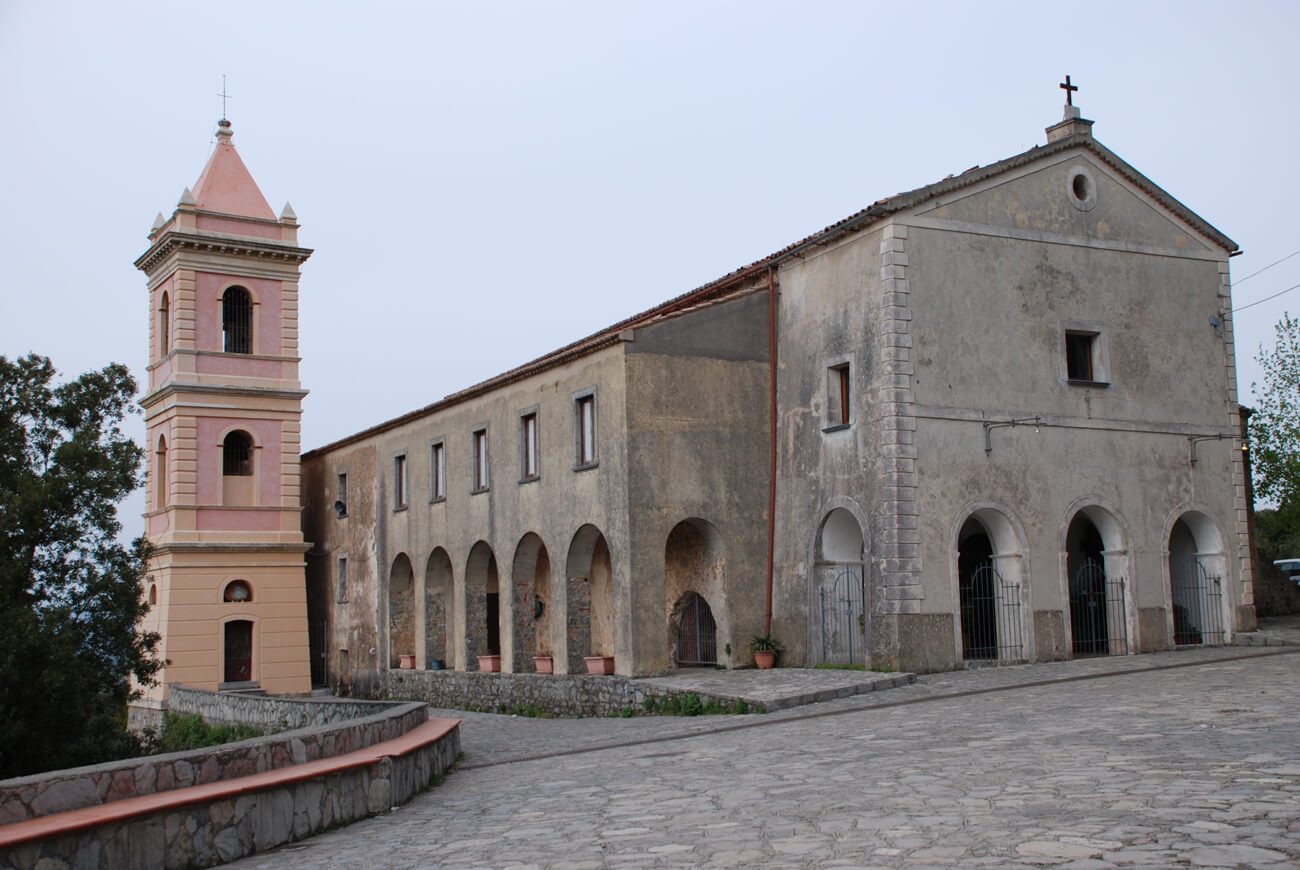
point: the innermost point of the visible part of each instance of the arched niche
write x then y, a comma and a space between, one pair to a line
1097, 581
695, 562
1197, 567
589, 598
531, 584
438, 585
482, 605
401, 610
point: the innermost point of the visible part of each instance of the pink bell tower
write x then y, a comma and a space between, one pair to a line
226, 582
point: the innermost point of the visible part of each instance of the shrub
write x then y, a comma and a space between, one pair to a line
189, 731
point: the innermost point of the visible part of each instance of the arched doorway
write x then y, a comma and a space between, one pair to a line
401, 611
482, 605
838, 627
589, 598
237, 651
1098, 592
1196, 569
989, 587
694, 563
531, 581
437, 604
697, 632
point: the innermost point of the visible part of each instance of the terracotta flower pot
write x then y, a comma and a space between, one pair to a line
491, 664
765, 659
599, 664
544, 664
406, 663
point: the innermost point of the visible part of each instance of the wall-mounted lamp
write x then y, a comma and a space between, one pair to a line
990, 425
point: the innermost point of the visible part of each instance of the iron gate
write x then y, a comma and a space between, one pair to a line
843, 615
1098, 615
1198, 605
990, 616
697, 633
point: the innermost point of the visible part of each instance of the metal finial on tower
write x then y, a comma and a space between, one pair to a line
1065, 86
225, 96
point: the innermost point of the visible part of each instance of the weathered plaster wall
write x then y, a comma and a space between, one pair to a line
698, 450
830, 304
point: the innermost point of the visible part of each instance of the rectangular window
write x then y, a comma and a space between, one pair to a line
585, 420
528, 444
838, 396
343, 579
399, 482
1079, 353
480, 444
341, 503
438, 472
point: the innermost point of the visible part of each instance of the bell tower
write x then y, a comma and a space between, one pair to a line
226, 580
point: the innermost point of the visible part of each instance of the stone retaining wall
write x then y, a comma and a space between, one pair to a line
268, 713
57, 791
202, 835
552, 694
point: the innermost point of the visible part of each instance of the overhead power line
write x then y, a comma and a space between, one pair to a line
1266, 268
1266, 298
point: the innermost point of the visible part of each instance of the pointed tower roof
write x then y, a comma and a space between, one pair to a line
226, 185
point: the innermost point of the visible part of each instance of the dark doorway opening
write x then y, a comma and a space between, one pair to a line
493, 619
1090, 615
239, 651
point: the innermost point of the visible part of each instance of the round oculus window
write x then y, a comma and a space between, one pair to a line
1082, 189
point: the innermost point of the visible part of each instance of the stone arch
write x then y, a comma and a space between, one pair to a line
531, 603
589, 598
482, 605
695, 562
990, 583
401, 610
1196, 566
838, 619
438, 585
1095, 579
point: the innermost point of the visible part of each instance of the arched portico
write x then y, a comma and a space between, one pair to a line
438, 587
839, 623
991, 583
589, 598
694, 565
401, 610
1097, 582
531, 583
482, 605
1197, 567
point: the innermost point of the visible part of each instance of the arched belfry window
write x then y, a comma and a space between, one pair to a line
164, 325
160, 474
237, 592
237, 320
237, 455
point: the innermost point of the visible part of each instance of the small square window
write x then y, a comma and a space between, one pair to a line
585, 430
482, 480
838, 396
399, 482
438, 471
1079, 350
528, 447
343, 579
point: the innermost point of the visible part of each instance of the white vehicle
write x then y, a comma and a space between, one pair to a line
1289, 567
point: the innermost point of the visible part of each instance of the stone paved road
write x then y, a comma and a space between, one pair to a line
1198, 765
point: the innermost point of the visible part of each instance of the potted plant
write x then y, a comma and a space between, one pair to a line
544, 664
599, 664
765, 649
490, 663
405, 662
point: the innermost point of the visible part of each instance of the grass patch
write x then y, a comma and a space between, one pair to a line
181, 732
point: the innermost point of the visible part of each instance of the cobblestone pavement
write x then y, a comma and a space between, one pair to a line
1182, 759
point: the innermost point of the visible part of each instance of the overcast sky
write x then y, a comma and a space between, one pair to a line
483, 182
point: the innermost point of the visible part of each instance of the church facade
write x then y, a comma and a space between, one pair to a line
1006, 430
989, 420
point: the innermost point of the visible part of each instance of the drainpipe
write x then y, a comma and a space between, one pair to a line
771, 489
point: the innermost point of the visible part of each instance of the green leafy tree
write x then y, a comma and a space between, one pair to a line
70, 592
1275, 430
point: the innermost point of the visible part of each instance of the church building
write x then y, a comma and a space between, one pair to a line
993, 419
